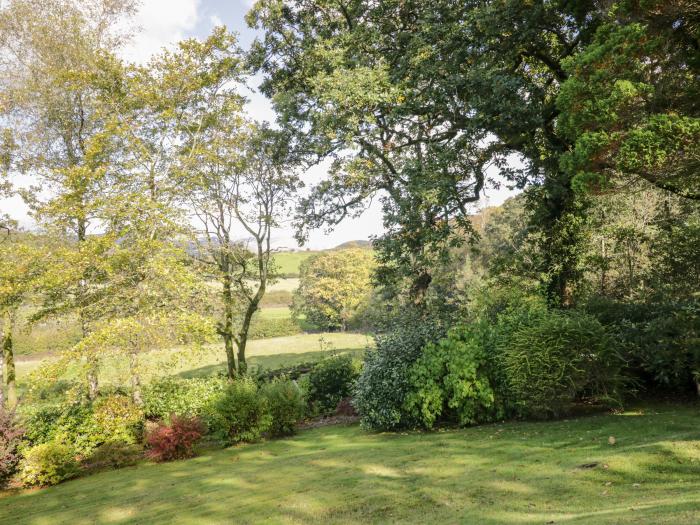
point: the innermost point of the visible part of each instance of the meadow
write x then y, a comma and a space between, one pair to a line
552, 472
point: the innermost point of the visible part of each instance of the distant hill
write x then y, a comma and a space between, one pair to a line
354, 244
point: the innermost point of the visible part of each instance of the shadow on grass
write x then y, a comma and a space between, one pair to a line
272, 362
493, 474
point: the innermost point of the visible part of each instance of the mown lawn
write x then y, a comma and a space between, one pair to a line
495, 474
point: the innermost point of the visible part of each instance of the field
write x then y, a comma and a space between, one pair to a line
288, 262
556, 472
265, 353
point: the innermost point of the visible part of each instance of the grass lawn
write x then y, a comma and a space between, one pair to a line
495, 474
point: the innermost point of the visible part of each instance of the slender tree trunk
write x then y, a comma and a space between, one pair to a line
2, 372
226, 327
93, 364
9, 356
242, 341
135, 378
91, 375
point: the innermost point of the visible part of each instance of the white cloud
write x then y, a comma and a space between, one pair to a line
216, 21
160, 23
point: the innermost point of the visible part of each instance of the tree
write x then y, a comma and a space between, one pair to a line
415, 101
630, 102
240, 181
52, 76
332, 287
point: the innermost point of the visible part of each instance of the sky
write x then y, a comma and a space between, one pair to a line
162, 23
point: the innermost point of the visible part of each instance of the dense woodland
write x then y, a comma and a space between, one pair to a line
156, 198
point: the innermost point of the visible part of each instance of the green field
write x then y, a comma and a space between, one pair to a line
288, 262
266, 353
557, 472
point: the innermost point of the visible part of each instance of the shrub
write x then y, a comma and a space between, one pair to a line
176, 440
452, 380
560, 358
381, 390
660, 341
40, 422
243, 415
286, 403
112, 455
85, 425
262, 328
48, 464
117, 419
10, 439
331, 380
184, 397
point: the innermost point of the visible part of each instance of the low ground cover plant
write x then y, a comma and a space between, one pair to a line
113, 455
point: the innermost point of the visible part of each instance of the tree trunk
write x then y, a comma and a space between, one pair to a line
92, 381
226, 327
242, 341
9, 356
2, 372
135, 379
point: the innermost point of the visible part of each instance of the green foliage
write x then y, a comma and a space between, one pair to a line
660, 341
556, 359
629, 102
451, 380
113, 455
332, 287
263, 327
331, 380
384, 383
48, 464
85, 425
184, 397
117, 418
287, 405
243, 415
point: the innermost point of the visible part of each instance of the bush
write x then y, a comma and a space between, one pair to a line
262, 328
556, 360
48, 464
451, 380
243, 415
286, 403
184, 397
85, 425
40, 422
113, 455
176, 440
660, 341
384, 384
331, 380
10, 439
117, 418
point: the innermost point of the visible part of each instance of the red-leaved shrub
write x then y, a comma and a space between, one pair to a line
10, 436
176, 440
